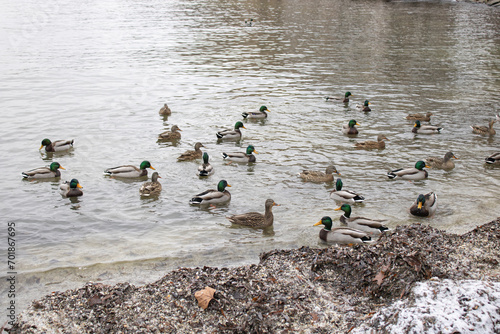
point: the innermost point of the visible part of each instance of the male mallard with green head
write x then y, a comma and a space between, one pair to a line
425, 205
256, 219
56, 146
205, 169
71, 188
344, 196
350, 128
344, 99
318, 176
231, 134
341, 235
213, 196
129, 171
44, 172
256, 115
364, 107
416, 173
192, 155
371, 226
425, 129
240, 156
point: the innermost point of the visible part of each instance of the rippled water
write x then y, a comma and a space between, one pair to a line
99, 72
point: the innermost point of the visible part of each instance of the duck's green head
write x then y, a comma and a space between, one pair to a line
346, 208
73, 184
45, 142
417, 124
420, 201
366, 103
338, 185
264, 108
145, 164
352, 123
221, 186
205, 158
55, 166
251, 149
420, 165
239, 125
347, 94
327, 221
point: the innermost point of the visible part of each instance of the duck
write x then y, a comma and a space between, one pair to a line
260, 114
370, 144
493, 159
484, 130
231, 134
173, 134
364, 107
71, 188
240, 156
212, 196
425, 205
420, 117
349, 128
318, 176
425, 129
344, 99
44, 172
256, 219
165, 110
341, 235
190, 154
416, 173
442, 163
152, 188
370, 226
56, 146
129, 171
205, 169
344, 196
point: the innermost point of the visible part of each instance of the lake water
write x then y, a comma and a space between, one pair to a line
99, 71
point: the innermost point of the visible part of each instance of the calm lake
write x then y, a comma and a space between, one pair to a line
99, 71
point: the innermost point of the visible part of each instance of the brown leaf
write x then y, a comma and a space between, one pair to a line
204, 296
379, 277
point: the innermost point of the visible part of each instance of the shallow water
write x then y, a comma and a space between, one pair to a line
99, 72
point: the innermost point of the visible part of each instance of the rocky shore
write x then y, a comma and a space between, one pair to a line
339, 289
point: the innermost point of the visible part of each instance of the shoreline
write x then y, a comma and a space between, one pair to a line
339, 288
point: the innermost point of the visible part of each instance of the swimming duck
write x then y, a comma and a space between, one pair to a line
341, 235
349, 128
44, 172
212, 196
240, 156
318, 176
231, 134
370, 144
443, 163
260, 114
165, 110
371, 226
344, 196
256, 219
192, 155
416, 173
420, 117
344, 99
152, 188
56, 146
493, 159
484, 130
129, 171
206, 168
71, 188
425, 129
425, 205
364, 107
173, 134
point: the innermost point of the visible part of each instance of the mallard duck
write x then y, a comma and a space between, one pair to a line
425, 129
371, 226
192, 155
56, 146
344, 99
344, 196
212, 196
259, 114
173, 134
416, 173
493, 159
341, 235
240, 156
425, 205
44, 172
231, 134
420, 117
206, 168
364, 107
165, 110
484, 130
318, 176
349, 128
152, 188
129, 171
256, 219
71, 188
443, 163
370, 144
